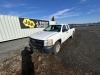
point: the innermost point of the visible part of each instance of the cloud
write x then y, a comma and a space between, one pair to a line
22, 4
11, 5
45, 18
14, 13
83, 1
7, 5
31, 7
25, 13
62, 14
93, 11
69, 15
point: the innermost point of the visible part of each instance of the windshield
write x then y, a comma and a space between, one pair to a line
55, 28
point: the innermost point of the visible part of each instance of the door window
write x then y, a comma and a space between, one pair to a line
64, 28
67, 27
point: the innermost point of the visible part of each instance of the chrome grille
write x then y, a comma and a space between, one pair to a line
37, 43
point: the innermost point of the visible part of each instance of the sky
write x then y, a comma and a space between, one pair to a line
64, 11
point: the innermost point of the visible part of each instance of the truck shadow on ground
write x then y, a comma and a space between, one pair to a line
27, 64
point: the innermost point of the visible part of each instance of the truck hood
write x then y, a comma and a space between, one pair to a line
43, 35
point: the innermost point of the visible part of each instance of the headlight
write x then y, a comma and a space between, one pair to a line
48, 42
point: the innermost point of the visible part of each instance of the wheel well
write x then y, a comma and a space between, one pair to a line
59, 40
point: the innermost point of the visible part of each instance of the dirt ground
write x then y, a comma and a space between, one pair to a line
78, 56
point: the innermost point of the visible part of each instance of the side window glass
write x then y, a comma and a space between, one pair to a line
64, 28
67, 27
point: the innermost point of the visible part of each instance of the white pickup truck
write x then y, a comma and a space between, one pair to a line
51, 38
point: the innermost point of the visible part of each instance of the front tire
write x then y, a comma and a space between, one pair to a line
57, 47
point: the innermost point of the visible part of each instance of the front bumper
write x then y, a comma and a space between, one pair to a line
45, 49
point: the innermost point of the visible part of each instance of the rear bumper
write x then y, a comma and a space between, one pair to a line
46, 49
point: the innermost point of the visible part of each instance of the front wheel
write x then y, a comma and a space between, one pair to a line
57, 47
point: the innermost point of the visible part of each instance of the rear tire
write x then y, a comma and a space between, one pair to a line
57, 47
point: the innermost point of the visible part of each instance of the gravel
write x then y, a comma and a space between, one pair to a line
8, 49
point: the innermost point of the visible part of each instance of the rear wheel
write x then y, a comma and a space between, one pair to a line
57, 47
